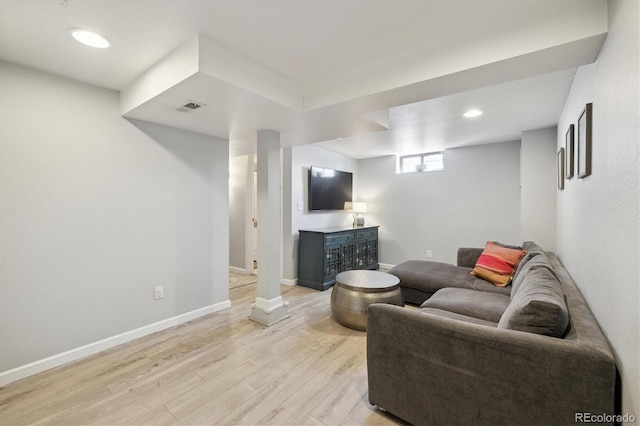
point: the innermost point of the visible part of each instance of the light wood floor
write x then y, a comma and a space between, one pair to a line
239, 280
219, 369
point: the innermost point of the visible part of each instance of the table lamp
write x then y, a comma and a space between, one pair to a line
357, 207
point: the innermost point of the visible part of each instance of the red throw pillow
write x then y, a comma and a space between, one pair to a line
497, 263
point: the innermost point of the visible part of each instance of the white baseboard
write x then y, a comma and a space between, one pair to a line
290, 283
386, 265
101, 345
238, 270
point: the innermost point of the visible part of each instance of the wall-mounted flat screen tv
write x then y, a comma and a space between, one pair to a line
329, 189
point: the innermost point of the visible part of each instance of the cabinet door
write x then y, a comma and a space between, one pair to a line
361, 254
347, 257
372, 251
331, 260
338, 253
366, 248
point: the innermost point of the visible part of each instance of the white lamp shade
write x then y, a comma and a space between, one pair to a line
359, 207
348, 205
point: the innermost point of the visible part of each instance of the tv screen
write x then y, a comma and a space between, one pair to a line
329, 189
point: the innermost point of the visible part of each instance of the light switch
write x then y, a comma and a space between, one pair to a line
158, 292
300, 206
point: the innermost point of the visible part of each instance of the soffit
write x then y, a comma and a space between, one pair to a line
338, 65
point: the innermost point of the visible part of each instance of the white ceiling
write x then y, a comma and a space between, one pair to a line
438, 124
358, 67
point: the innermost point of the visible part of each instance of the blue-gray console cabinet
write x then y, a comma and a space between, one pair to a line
325, 252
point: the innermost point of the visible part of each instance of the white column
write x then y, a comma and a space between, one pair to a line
269, 306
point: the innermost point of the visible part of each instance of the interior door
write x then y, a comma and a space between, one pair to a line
254, 222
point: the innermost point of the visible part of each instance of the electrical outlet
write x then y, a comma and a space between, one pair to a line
429, 254
159, 292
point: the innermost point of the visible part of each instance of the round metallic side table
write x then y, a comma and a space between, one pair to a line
355, 290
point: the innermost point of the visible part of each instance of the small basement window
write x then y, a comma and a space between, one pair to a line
426, 162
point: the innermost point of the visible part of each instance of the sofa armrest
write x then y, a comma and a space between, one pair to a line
428, 369
468, 256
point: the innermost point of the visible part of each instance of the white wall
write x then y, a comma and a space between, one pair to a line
95, 211
296, 163
598, 217
475, 199
538, 187
239, 206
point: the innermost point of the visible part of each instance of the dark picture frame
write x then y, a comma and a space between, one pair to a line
584, 141
561, 169
568, 152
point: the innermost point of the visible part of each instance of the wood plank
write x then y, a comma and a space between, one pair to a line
367, 414
311, 421
337, 406
222, 368
293, 381
296, 408
69, 403
158, 417
121, 411
210, 406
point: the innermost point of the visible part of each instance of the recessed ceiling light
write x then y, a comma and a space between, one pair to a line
472, 113
90, 38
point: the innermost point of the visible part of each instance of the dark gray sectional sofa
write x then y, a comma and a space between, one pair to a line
528, 353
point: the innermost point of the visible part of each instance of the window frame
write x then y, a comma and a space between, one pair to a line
423, 156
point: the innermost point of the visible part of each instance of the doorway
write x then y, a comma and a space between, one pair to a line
254, 220
243, 231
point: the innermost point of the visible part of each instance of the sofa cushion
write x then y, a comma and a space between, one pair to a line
468, 256
459, 317
538, 305
531, 260
529, 256
473, 303
531, 247
430, 277
497, 263
509, 246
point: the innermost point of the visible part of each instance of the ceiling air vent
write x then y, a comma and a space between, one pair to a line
189, 106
